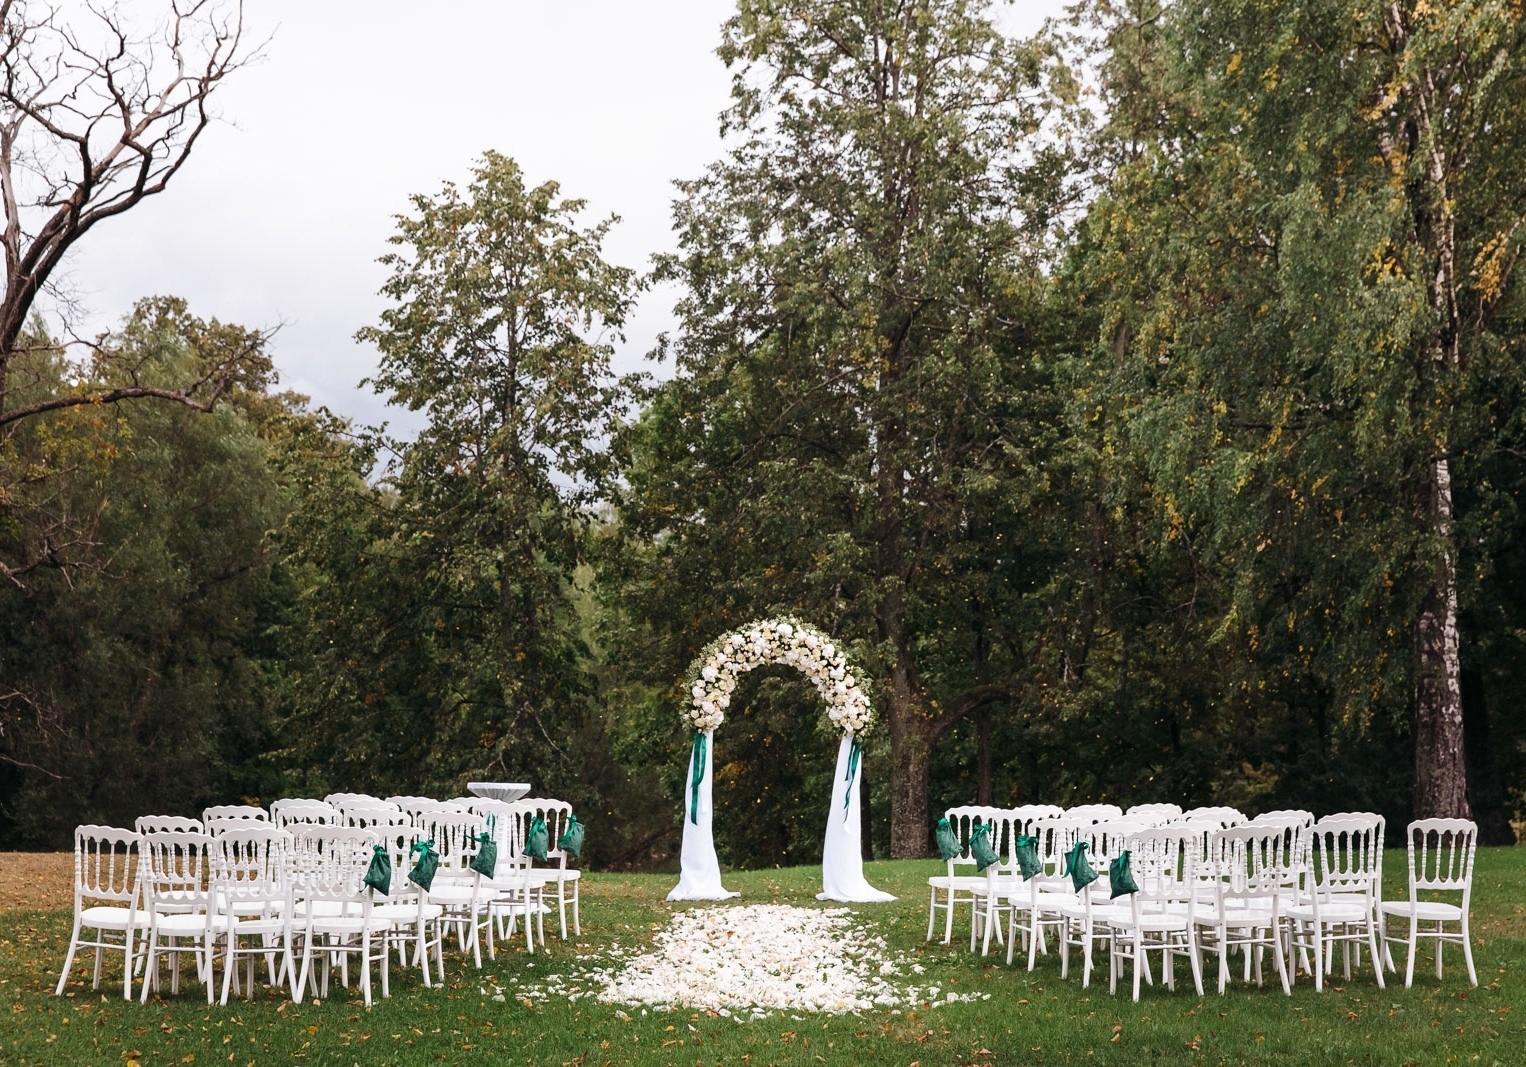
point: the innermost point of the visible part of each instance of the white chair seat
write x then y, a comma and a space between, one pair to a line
959, 883
346, 925
181, 924
244, 926
1236, 917
404, 913
1424, 910
451, 894
105, 917
1332, 912
1101, 913
1154, 922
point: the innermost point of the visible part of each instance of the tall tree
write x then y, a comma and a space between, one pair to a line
501, 319
855, 274
1303, 266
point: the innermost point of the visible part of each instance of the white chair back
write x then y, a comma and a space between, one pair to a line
403, 801
175, 870
1441, 856
1094, 812
304, 813
329, 865
1159, 814
1104, 840
1026, 816
153, 824
558, 813
962, 820
105, 865
339, 800
234, 811
1222, 815
503, 818
424, 806
454, 833
1346, 856
1056, 837
369, 815
252, 868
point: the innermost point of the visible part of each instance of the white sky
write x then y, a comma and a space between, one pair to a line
283, 208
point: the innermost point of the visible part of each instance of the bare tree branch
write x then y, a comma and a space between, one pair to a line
93, 119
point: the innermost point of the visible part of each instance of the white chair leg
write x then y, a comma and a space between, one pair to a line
1467, 950
1409, 964
63, 975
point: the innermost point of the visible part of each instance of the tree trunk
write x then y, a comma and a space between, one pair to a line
983, 757
1441, 777
909, 748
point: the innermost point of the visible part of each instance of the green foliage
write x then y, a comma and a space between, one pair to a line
439, 636
850, 417
1264, 387
132, 659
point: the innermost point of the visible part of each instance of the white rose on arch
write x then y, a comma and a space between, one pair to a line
713, 676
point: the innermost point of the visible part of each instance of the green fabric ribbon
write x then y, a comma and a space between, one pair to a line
855, 751
1025, 850
697, 776
428, 860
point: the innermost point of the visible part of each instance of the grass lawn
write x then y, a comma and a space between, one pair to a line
1030, 1019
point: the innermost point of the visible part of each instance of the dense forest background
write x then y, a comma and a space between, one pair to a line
1140, 404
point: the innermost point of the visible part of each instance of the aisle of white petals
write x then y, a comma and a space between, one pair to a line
748, 961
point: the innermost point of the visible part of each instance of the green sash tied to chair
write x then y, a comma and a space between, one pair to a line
1025, 849
379, 873
981, 849
948, 840
485, 862
1082, 874
571, 841
425, 863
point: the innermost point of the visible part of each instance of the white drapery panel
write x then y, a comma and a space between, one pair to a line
701, 871
842, 864
842, 861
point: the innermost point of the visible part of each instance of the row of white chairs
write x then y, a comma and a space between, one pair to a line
954, 890
173, 887
1280, 882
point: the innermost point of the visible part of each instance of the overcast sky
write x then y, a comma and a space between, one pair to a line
285, 205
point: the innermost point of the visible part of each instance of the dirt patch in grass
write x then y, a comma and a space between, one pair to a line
33, 881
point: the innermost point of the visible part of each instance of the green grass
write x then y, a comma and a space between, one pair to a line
1030, 1019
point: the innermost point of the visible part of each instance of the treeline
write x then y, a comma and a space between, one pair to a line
1139, 404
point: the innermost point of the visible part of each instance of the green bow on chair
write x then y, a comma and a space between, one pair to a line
1025, 849
1081, 872
426, 861
485, 862
379, 873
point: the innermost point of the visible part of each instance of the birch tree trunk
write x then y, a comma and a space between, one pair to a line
1441, 776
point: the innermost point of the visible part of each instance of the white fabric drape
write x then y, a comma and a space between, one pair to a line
842, 861
701, 877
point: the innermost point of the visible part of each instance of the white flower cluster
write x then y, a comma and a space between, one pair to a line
747, 961
788, 641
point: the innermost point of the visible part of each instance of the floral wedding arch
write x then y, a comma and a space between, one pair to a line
710, 683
